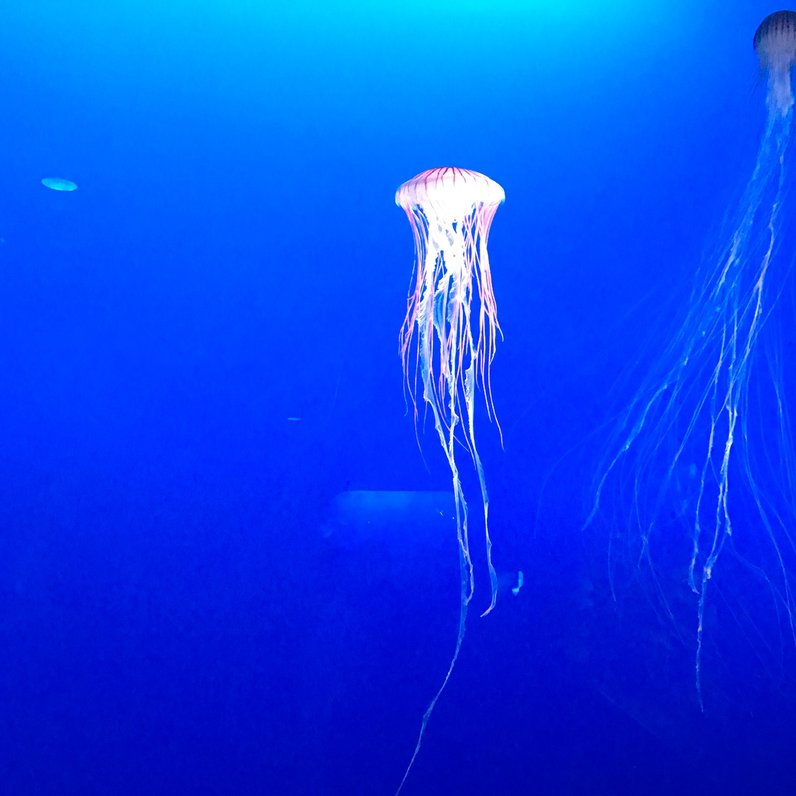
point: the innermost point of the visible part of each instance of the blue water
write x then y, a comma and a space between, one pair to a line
200, 356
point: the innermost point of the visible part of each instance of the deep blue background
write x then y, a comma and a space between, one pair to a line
179, 612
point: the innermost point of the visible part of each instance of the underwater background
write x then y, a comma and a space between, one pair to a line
226, 566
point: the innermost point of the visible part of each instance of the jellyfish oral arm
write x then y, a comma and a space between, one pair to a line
780, 93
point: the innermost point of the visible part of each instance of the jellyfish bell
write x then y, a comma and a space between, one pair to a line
453, 192
59, 184
775, 45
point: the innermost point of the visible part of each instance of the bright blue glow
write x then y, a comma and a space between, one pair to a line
59, 184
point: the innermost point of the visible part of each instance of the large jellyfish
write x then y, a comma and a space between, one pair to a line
715, 412
448, 339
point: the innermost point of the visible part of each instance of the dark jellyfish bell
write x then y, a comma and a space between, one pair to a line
776, 25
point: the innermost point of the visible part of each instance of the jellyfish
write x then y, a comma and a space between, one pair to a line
59, 184
775, 44
448, 341
714, 413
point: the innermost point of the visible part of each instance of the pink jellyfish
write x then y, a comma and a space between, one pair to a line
447, 344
